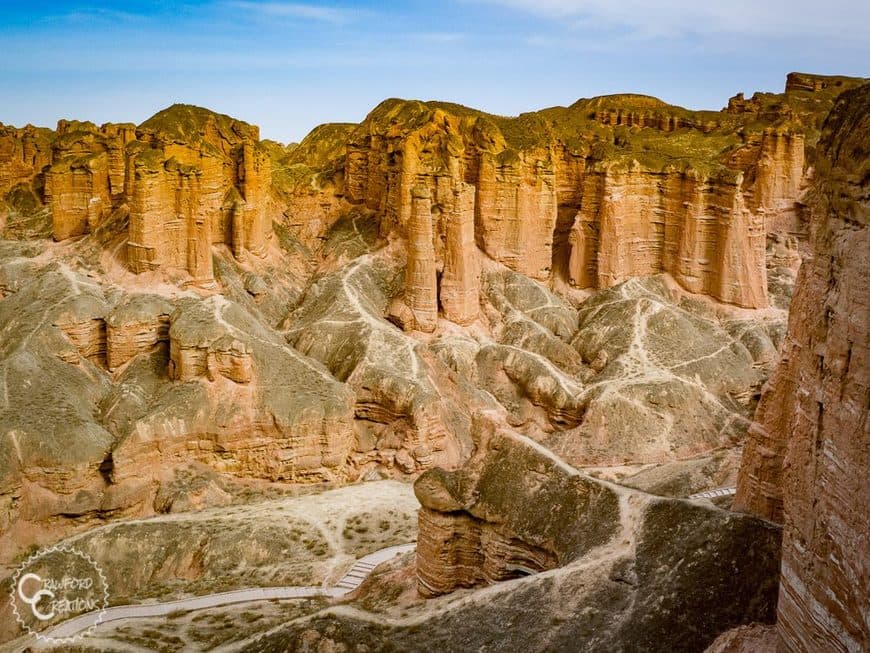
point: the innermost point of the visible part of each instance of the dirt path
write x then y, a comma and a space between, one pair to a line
352, 579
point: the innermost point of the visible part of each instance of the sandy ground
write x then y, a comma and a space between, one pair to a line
351, 521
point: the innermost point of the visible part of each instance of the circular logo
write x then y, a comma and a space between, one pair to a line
59, 594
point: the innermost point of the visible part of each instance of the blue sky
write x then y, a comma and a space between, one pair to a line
288, 66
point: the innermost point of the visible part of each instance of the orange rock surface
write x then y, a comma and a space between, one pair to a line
805, 462
595, 193
421, 291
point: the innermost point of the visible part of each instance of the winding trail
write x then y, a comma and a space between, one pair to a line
351, 580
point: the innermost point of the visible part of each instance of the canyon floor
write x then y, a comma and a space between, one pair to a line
521, 343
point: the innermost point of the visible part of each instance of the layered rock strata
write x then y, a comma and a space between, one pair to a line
87, 176
465, 541
421, 292
189, 380
24, 153
589, 566
805, 462
459, 290
136, 326
230, 407
189, 178
593, 192
634, 223
207, 187
285, 368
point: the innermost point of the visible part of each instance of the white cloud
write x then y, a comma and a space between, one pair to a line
315, 12
835, 18
96, 15
438, 37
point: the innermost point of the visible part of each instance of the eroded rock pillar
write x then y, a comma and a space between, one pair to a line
460, 281
421, 294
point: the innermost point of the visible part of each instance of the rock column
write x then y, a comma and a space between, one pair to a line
460, 282
421, 294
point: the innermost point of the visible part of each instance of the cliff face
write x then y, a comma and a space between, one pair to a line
805, 462
625, 570
197, 179
592, 194
188, 178
23, 153
87, 175
595, 193
639, 222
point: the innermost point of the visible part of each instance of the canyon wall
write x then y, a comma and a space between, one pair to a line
640, 222
805, 462
24, 153
196, 189
592, 194
87, 175
601, 191
187, 177
624, 569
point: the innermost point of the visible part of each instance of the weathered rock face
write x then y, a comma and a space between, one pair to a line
757, 638
460, 280
805, 462
88, 174
594, 193
474, 532
636, 222
200, 180
24, 153
401, 412
635, 572
136, 326
189, 178
133, 385
166, 227
233, 407
83, 321
421, 292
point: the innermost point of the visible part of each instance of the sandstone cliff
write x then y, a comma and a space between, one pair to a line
197, 179
805, 462
188, 178
222, 301
589, 566
593, 194
601, 191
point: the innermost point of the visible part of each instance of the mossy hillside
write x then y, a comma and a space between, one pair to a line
701, 142
530, 495
311, 164
24, 199
294, 179
322, 146
88, 161
82, 138
150, 159
577, 129
186, 123
543, 504
55, 427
